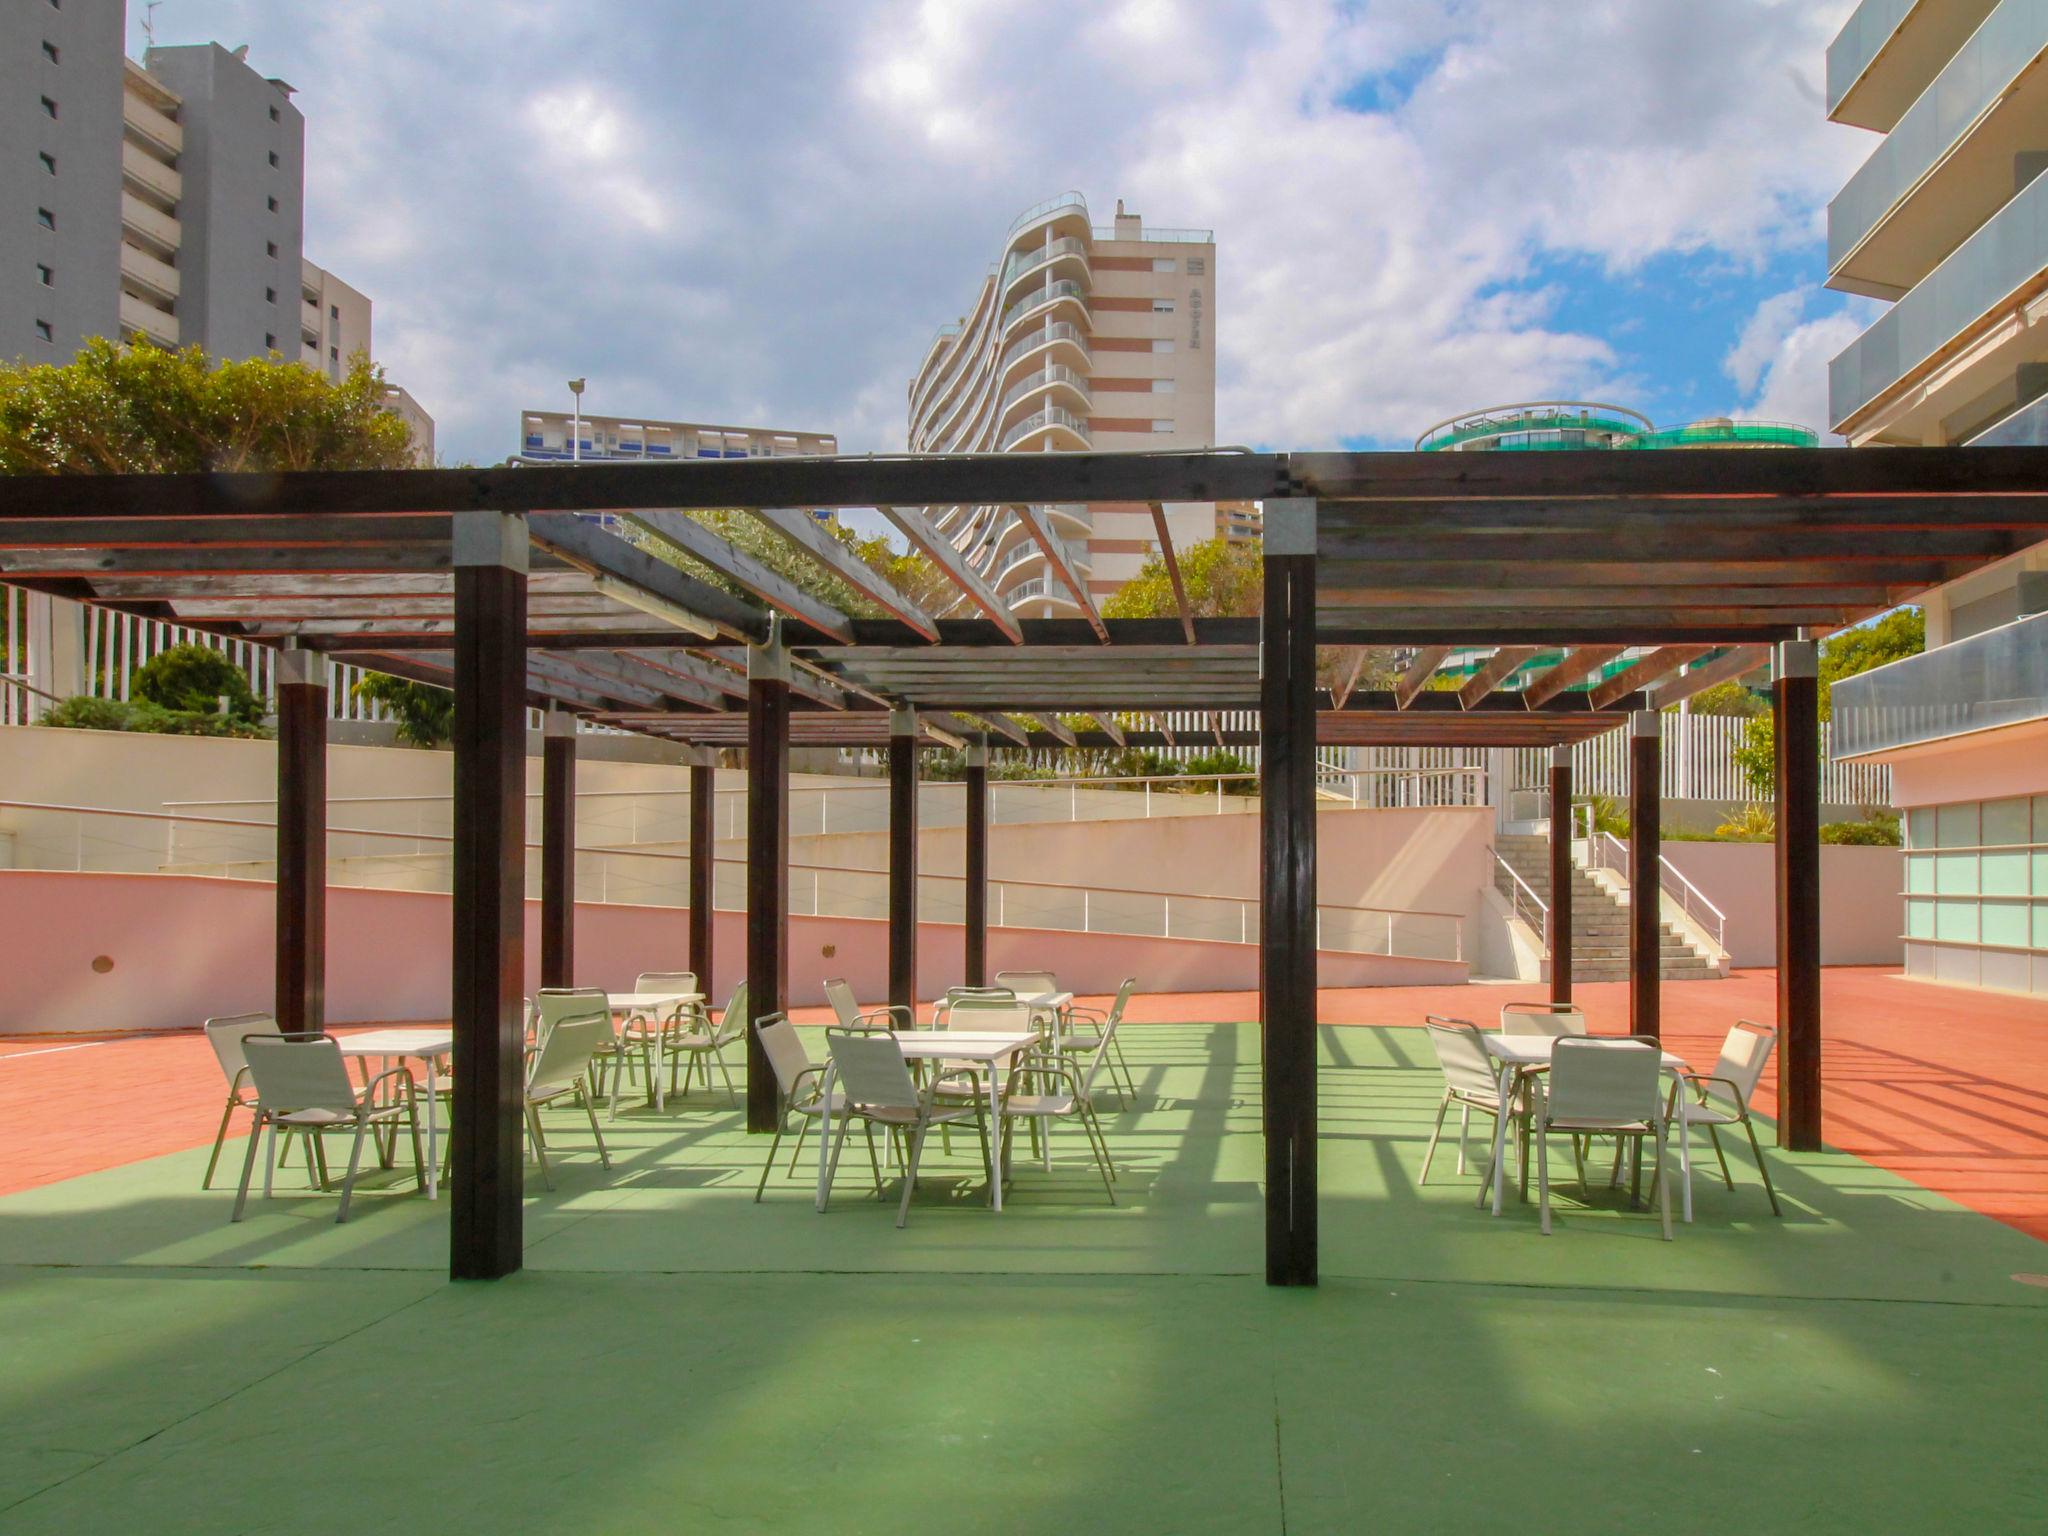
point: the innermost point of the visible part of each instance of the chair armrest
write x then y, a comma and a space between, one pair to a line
1700, 1080
888, 1011
369, 1093
796, 1095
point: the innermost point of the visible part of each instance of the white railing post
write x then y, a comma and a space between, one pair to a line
1244, 923
1074, 802
1148, 799
1086, 927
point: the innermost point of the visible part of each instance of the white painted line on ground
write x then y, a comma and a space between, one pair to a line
50, 1050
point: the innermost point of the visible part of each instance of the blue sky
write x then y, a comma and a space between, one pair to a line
758, 213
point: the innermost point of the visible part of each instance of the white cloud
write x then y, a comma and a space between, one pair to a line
762, 211
1780, 364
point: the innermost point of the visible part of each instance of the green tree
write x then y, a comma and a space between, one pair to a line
1898, 634
1224, 580
424, 714
1729, 698
909, 572
139, 409
197, 680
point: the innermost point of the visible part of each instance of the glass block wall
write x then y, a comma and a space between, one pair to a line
1977, 893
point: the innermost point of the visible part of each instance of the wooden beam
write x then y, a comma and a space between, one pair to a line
975, 866
1350, 663
1495, 670
1644, 672
938, 549
1003, 725
697, 540
1562, 872
1287, 892
801, 529
558, 850
301, 842
1577, 663
1427, 659
487, 1170
1056, 557
1171, 558
163, 561
703, 851
1054, 727
1795, 699
588, 547
1645, 876
767, 868
1110, 728
903, 750
1737, 662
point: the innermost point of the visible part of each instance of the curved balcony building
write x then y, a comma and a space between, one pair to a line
1539, 426
1080, 337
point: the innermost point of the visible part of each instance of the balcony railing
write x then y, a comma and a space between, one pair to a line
1038, 211
1032, 260
1054, 373
1982, 273
1066, 288
1999, 677
1863, 36
2026, 427
2011, 39
1045, 335
1038, 421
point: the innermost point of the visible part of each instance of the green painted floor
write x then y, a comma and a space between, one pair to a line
676, 1356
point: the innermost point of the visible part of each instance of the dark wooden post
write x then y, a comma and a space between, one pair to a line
976, 913
558, 850
1287, 894
1645, 875
703, 850
1560, 874
903, 858
487, 1160
767, 863
301, 841
1795, 706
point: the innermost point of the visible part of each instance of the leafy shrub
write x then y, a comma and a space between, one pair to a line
90, 714
1209, 763
194, 679
1881, 830
1756, 824
424, 714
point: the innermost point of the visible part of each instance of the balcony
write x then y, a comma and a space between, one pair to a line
1052, 375
1040, 298
138, 314
1058, 331
1025, 262
1989, 272
1888, 51
1992, 679
154, 225
1051, 419
2026, 427
1948, 165
144, 170
146, 272
145, 120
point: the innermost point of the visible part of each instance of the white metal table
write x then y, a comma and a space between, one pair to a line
1518, 1054
640, 1004
989, 1049
424, 1045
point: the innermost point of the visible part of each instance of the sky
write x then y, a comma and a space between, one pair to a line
757, 212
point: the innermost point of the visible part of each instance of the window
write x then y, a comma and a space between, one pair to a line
45, 331
49, 107
271, 203
270, 247
1162, 306
275, 116
273, 159
1162, 386
1162, 344
269, 342
334, 354
1163, 264
49, 50
49, 162
46, 276
46, 218
270, 295
1162, 426
334, 311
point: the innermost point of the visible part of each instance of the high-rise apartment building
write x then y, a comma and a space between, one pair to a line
1080, 337
1948, 218
162, 199
547, 437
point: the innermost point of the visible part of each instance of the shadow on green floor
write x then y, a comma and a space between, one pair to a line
676, 1355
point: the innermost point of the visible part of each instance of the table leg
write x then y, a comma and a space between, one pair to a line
824, 1133
433, 1131
995, 1129
1500, 1133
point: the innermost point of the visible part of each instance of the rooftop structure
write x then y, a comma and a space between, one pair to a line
1553, 425
559, 436
1082, 336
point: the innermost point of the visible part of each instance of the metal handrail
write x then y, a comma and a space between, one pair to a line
1616, 851
1541, 920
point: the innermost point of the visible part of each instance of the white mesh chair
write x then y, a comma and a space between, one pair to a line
1064, 1090
1553, 1019
1744, 1055
693, 1043
1087, 1027
302, 1084
799, 1091
225, 1034
561, 1070
852, 1016
1029, 984
1470, 1081
551, 1005
943, 1008
870, 1070
1600, 1088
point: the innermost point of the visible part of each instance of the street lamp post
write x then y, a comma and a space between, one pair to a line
576, 421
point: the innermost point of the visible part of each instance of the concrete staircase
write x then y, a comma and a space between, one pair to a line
1599, 919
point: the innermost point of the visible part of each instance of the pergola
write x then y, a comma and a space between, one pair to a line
502, 585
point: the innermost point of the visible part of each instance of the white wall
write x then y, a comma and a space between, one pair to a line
1861, 914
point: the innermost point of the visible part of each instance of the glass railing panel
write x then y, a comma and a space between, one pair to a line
1999, 677
1861, 39
2026, 427
2011, 38
1987, 268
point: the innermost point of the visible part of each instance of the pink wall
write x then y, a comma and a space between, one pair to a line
1861, 915
1990, 765
183, 948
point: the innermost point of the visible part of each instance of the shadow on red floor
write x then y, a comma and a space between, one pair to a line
1937, 1084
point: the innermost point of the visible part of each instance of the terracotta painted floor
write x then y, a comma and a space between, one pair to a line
1939, 1085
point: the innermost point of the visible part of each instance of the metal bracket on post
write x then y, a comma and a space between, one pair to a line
977, 753
558, 724
1796, 658
1642, 722
300, 668
490, 538
903, 721
769, 661
1290, 525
